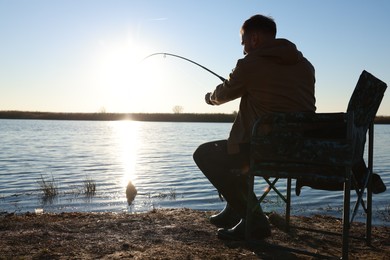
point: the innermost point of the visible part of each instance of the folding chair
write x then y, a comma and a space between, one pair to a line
301, 146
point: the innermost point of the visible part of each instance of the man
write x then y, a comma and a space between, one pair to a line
272, 77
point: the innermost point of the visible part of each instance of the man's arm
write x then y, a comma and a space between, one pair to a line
230, 89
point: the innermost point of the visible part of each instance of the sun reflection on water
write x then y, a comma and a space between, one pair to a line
127, 135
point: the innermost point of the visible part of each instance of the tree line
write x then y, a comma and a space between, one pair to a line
170, 117
159, 117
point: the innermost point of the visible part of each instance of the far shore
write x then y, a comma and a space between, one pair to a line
157, 117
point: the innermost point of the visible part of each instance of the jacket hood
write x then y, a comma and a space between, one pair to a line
281, 50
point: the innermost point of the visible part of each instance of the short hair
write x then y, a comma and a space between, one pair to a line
259, 23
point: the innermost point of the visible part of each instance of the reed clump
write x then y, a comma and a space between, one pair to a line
171, 194
89, 187
48, 187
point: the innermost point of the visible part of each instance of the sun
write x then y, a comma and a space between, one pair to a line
126, 81
122, 78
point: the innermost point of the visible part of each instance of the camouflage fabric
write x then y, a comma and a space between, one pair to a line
293, 145
364, 103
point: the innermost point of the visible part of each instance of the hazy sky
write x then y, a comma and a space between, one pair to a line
85, 55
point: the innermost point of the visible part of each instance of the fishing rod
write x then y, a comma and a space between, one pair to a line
180, 57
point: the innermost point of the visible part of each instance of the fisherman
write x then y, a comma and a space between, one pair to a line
273, 76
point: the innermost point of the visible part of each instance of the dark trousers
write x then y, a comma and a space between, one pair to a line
223, 171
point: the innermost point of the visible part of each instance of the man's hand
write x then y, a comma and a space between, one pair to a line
207, 99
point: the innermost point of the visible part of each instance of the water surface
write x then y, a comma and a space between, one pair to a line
155, 156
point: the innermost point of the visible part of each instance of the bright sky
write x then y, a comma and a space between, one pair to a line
86, 55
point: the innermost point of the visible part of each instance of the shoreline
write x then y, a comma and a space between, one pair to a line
174, 234
154, 117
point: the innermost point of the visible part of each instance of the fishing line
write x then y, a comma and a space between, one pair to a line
183, 58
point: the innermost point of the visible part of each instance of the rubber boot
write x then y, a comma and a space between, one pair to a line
227, 218
236, 194
259, 231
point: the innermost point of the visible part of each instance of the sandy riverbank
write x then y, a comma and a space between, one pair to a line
168, 234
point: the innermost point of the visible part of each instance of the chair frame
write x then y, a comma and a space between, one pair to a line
360, 192
339, 146
272, 165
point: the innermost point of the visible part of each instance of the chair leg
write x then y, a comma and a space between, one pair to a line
271, 185
249, 215
288, 204
346, 222
369, 186
360, 193
369, 213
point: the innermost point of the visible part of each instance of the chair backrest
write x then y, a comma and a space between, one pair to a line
366, 99
364, 103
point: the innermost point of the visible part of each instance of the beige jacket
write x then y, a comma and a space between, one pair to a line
274, 78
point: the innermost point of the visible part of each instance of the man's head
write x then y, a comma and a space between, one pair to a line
256, 30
